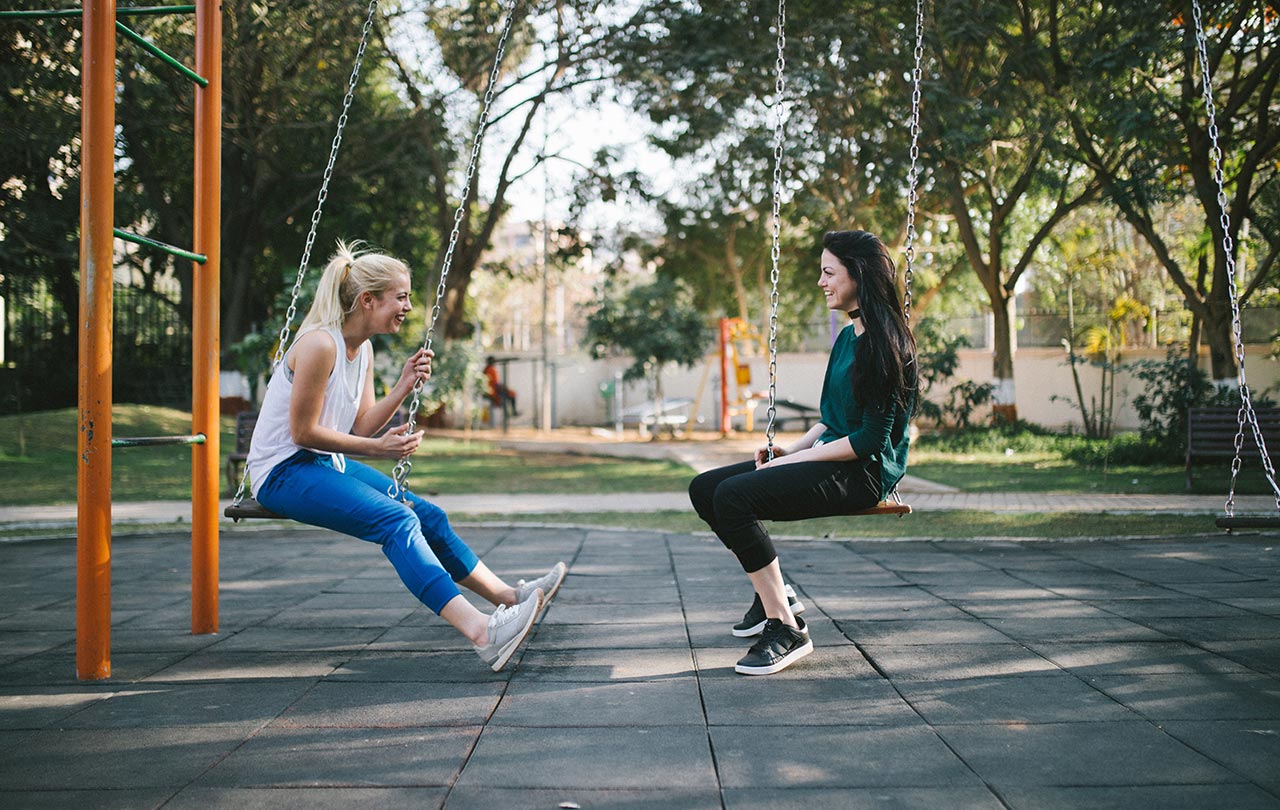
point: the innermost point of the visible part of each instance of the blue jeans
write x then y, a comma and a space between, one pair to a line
414, 536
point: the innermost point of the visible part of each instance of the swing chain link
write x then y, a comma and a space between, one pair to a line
400, 474
913, 173
1246, 411
292, 311
775, 252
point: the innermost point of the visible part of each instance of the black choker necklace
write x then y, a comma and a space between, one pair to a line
855, 315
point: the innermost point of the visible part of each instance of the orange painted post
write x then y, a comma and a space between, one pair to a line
93, 456
205, 321
724, 377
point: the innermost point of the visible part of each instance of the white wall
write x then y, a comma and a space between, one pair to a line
1040, 374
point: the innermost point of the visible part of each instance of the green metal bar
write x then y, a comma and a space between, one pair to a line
149, 46
142, 240
140, 11
156, 441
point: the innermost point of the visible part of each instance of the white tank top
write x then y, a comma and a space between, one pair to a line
273, 441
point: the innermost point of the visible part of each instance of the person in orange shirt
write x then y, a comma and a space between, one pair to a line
500, 395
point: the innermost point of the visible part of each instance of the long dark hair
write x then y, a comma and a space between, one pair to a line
886, 358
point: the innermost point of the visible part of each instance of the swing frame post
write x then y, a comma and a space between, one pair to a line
206, 321
93, 468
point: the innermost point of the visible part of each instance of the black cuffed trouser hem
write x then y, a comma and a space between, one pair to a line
751, 545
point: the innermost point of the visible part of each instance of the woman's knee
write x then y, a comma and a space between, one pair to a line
702, 491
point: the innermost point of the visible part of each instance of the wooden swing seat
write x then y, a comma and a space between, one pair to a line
884, 508
249, 508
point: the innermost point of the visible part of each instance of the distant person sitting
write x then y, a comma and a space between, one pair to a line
500, 395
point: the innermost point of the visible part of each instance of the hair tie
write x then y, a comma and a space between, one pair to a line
345, 272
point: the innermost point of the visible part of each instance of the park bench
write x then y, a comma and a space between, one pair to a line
805, 414
671, 414
1211, 433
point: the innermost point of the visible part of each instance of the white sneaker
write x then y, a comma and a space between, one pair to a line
548, 583
508, 626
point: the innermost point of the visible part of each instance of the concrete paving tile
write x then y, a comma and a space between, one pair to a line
296, 798
59, 618
97, 799
59, 667
566, 613
345, 757
590, 758
672, 701
575, 593
1182, 607
597, 666
835, 756
1259, 656
482, 798
1269, 605
105, 759
1256, 587
1096, 753
822, 631
1046, 698
16, 644
281, 639
352, 617
910, 632
128, 640
1165, 797
881, 798
804, 701
1235, 628
1091, 629
609, 636
211, 665
1195, 697
361, 600
420, 667
34, 707
1089, 659
342, 704
160, 705
952, 661
978, 593
1251, 748
887, 606
1032, 608
428, 633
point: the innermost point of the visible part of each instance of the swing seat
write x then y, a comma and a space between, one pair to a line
249, 509
884, 508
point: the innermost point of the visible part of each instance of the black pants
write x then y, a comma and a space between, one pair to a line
734, 499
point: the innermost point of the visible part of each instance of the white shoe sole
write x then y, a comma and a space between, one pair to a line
546, 596
796, 610
786, 661
508, 649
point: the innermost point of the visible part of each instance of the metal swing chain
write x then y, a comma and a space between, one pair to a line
775, 252
913, 173
400, 473
323, 195
1246, 411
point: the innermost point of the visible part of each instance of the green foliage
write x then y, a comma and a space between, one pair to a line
939, 357
652, 323
1171, 386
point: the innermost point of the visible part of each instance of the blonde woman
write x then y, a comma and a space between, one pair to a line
320, 406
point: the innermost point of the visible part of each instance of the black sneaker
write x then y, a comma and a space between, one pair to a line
778, 647
753, 622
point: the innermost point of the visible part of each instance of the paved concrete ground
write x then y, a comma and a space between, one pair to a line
953, 675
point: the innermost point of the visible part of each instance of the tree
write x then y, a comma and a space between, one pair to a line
654, 323
1140, 124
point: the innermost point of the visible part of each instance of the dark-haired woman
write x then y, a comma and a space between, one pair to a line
846, 462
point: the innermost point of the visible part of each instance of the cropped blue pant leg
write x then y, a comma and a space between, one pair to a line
415, 536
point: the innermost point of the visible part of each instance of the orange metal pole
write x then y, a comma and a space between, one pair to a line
205, 321
93, 470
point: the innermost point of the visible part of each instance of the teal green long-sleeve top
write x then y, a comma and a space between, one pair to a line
876, 432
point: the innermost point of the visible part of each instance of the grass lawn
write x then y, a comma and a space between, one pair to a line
38, 451
1047, 471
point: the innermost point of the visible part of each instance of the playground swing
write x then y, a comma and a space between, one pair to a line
244, 507
1246, 414
894, 505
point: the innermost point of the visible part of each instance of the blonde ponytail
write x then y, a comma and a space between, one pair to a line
350, 271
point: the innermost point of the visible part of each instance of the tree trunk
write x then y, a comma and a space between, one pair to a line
1004, 403
1218, 333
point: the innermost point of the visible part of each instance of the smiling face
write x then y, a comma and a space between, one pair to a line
387, 310
838, 286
